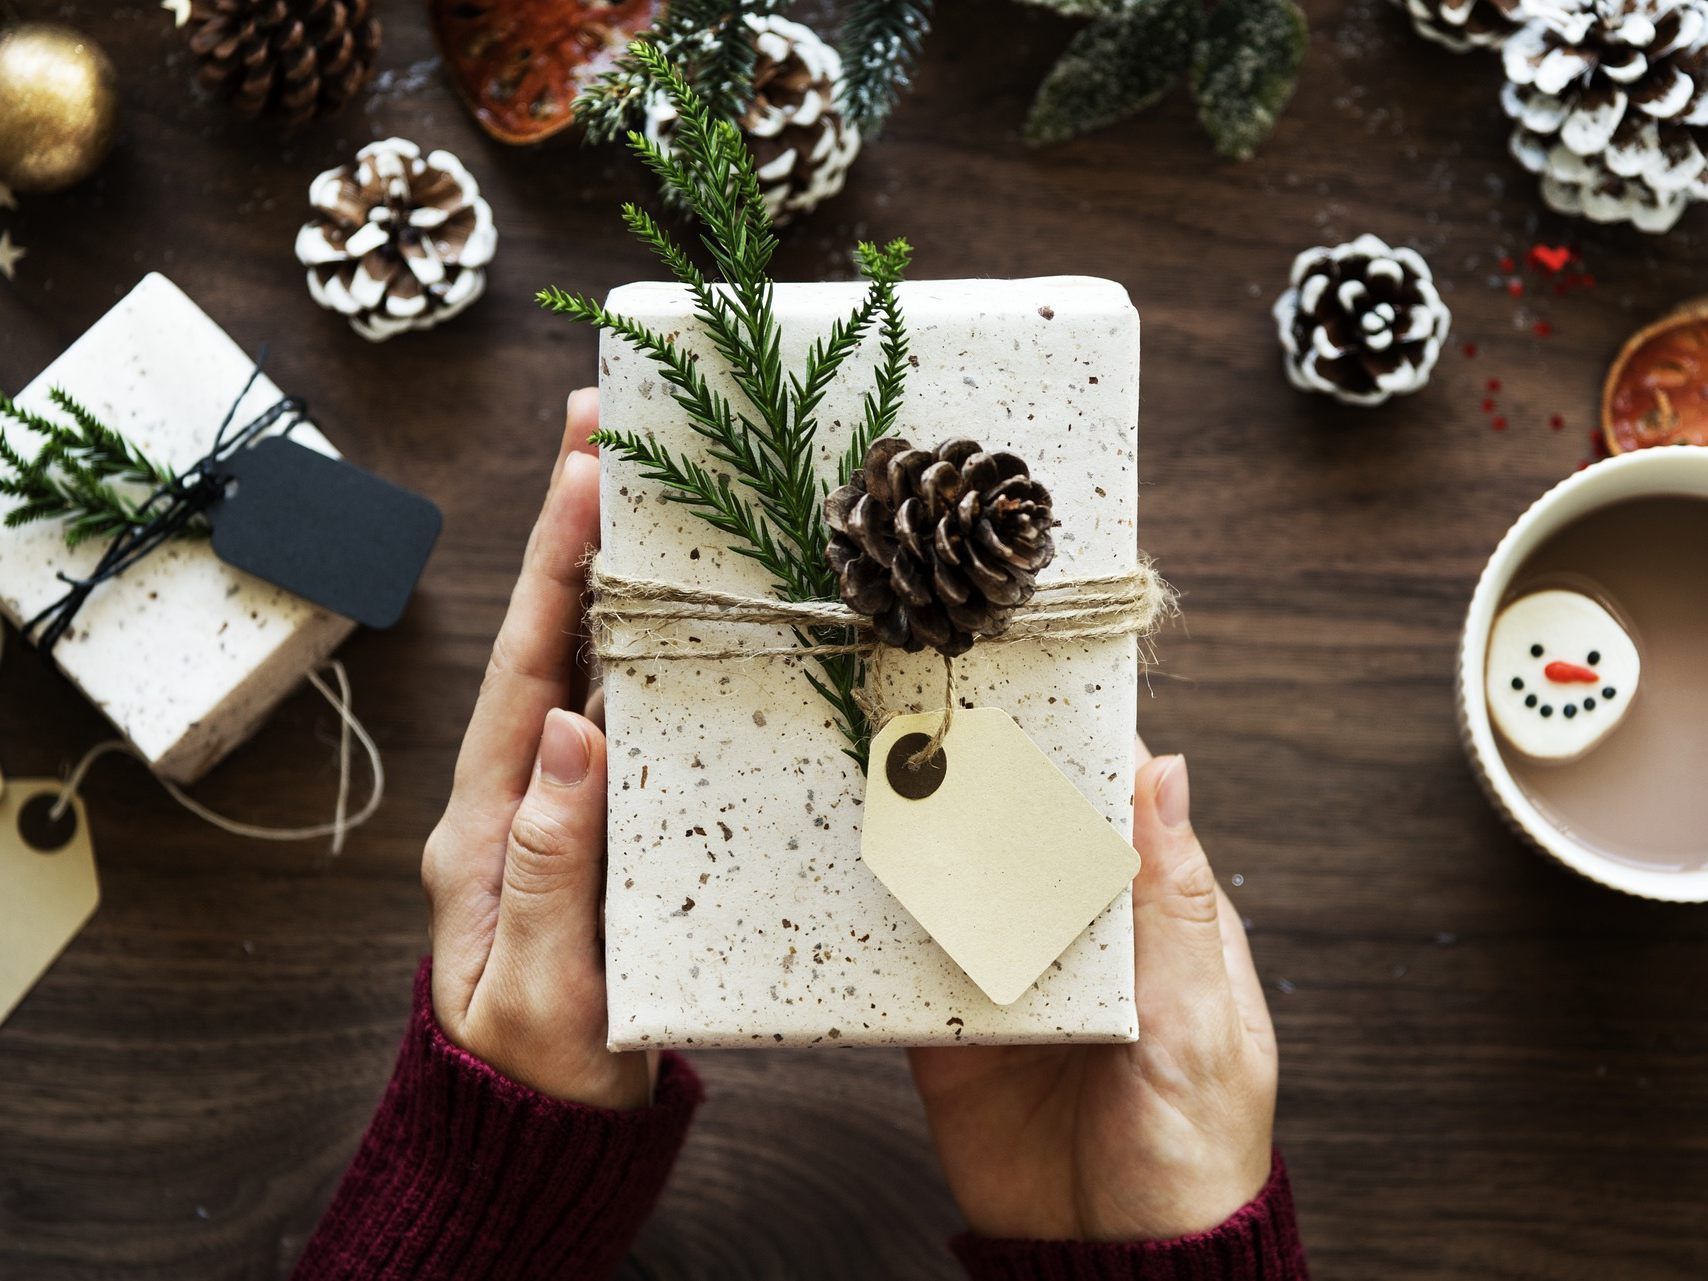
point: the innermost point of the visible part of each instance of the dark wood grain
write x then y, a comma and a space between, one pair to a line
1491, 1069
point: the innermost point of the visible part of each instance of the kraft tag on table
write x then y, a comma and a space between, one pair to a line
323, 529
989, 846
48, 888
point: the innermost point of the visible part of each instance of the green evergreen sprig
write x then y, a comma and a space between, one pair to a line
85, 474
1240, 57
765, 497
708, 41
881, 40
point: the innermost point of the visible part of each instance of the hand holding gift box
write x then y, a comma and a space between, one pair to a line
742, 695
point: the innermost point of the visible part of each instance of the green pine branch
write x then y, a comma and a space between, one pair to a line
84, 473
881, 40
709, 40
766, 500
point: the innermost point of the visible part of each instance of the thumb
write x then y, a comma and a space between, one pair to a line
1177, 938
548, 908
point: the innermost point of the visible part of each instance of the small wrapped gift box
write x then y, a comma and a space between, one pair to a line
185, 655
738, 911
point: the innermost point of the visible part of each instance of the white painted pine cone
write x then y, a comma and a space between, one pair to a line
1609, 100
1361, 321
802, 145
1463, 25
398, 241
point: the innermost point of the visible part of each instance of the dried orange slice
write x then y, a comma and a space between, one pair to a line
1657, 391
519, 64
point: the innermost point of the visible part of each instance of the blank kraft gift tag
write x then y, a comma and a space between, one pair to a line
989, 846
48, 888
323, 529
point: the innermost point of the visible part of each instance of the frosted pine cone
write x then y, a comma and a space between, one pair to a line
397, 242
1361, 322
1462, 25
293, 59
938, 547
1610, 100
802, 144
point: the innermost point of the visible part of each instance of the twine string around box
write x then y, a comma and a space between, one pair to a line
165, 514
1094, 607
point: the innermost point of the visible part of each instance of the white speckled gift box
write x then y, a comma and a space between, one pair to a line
738, 912
185, 655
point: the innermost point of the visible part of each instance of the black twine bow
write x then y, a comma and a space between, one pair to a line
173, 507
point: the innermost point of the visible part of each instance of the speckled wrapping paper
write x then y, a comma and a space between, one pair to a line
184, 654
738, 912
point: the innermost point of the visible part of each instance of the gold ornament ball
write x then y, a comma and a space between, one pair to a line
59, 106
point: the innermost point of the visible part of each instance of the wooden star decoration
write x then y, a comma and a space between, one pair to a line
9, 255
179, 9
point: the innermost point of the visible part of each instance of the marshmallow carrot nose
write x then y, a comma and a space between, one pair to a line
1570, 674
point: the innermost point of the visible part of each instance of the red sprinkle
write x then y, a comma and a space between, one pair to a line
1508, 265
1470, 350
1499, 424
1493, 384
1550, 259
1542, 328
1556, 422
1489, 405
1515, 287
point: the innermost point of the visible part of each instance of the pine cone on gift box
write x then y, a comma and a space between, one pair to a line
939, 547
1463, 25
802, 144
1610, 98
397, 241
1361, 321
294, 59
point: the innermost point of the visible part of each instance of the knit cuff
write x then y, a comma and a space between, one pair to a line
1260, 1242
464, 1172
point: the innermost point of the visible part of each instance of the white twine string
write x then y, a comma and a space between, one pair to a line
338, 828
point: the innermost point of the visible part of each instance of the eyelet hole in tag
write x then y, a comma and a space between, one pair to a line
1002, 860
40, 830
915, 782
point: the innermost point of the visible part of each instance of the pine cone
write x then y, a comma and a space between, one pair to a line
1462, 25
295, 59
939, 547
397, 242
1361, 322
802, 145
1610, 99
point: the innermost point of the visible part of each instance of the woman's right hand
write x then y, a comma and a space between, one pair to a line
1143, 1142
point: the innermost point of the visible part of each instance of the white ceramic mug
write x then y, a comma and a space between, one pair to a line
1645, 473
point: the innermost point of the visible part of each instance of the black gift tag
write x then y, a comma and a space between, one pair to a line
324, 529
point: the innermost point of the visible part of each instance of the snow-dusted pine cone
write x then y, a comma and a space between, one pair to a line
1610, 100
291, 59
802, 144
1463, 25
939, 546
397, 241
1361, 321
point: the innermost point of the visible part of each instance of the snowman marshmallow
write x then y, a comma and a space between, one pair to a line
1561, 674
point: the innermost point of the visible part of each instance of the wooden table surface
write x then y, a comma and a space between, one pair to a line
1491, 1069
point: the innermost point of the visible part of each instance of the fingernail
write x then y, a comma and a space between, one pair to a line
563, 751
1174, 795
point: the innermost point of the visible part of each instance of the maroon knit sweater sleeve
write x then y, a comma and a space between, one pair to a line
1259, 1243
464, 1173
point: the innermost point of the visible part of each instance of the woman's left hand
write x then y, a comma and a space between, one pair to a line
514, 870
